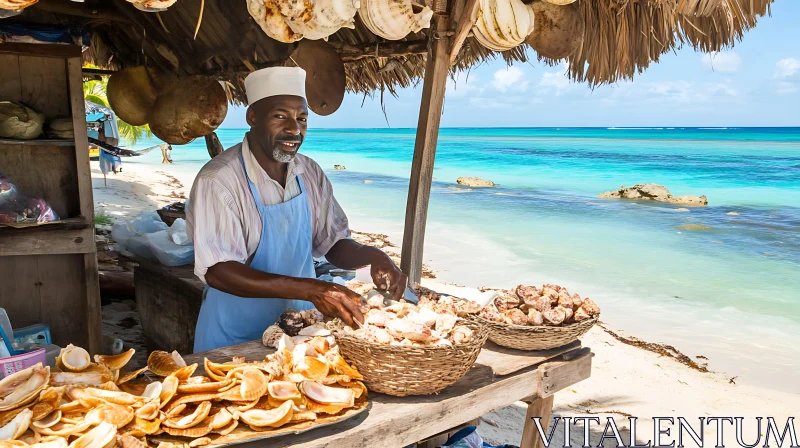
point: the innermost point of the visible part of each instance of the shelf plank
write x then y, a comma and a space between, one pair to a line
71, 237
37, 142
64, 224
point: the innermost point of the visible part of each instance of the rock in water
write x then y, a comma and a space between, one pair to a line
654, 192
474, 182
339, 167
694, 227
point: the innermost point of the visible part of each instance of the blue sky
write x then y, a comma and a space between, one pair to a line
755, 83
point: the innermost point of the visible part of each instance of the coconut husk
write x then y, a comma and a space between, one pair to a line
131, 95
558, 30
325, 77
192, 107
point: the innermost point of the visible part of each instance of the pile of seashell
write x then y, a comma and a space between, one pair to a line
291, 20
92, 405
428, 323
528, 305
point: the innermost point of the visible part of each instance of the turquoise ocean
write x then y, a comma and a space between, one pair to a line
731, 293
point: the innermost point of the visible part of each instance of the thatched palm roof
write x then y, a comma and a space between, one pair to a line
622, 38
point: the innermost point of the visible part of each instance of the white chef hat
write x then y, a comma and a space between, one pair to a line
275, 81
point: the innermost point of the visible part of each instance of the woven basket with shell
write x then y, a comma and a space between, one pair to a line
409, 370
530, 318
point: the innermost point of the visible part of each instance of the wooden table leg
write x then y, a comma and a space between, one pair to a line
541, 407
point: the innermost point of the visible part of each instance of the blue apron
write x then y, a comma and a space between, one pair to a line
284, 249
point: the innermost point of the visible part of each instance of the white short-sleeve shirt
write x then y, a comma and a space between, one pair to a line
222, 219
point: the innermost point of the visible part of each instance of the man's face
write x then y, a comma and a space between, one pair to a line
278, 125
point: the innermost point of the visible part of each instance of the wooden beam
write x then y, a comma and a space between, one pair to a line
46, 50
381, 50
91, 11
97, 71
463, 26
419, 188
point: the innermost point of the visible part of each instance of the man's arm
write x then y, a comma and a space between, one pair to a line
348, 254
243, 281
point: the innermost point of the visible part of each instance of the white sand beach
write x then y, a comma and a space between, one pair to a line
625, 380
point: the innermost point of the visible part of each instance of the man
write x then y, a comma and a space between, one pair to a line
259, 211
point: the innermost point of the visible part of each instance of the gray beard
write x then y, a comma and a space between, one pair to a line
282, 156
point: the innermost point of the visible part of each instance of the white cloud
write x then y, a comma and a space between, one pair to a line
556, 82
722, 62
510, 78
786, 68
463, 85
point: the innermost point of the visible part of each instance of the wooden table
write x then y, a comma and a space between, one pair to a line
402, 421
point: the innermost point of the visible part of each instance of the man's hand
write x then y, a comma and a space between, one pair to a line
337, 301
387, 276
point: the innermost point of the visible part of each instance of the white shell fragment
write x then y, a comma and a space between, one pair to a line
393, 19
502, 24
327, 16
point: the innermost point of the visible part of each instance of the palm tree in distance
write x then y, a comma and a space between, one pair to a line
95, 91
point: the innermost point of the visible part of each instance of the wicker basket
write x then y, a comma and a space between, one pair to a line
401, 371
524, 337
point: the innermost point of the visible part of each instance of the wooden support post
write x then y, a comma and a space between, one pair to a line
419, 188
541, 407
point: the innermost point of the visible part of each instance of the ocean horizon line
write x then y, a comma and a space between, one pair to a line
643, 128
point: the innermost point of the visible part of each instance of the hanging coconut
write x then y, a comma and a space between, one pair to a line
559, 30
325, 76
131, 95
19, 121
152, 5
193, 107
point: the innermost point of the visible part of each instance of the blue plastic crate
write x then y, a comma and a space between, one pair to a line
38, 334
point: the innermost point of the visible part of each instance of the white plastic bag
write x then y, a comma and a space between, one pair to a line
146, 236
177, 232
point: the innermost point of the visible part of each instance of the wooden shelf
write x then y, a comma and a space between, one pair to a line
69, 236
64, 224
37, 142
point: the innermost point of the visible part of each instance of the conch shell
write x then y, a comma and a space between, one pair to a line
393, 19
326, 18
267, 15
502, 24
115, 362
73, 359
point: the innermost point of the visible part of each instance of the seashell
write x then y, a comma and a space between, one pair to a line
312, 368
326, 394
201, 441
56, 442
17, 426
568, 313
318, 329
140, 427
271, 335
27, 391
16, 5
73, 359
357, 387
401, 328
194, 398
152, 5
462, 334
129, 442
175, 411
560, 2
304, 416
506, 302
554, 316
272, 418
122, 398
502, 24
221, 419
29, 437
590, 307
115, 414
13, 381
267, 15
153, 390
581, 315
318, 408
445, 323
515, 316
62, 429
393, 19
527, 292
327, 17
191, 420
184, 373
401, 309
225, 430
162, 363
283, 391
254, 384
48, 401
49, 420
94, 375
114, 362
101, 436
535, 317
320, 344
168, 389
150, 410
312, 316
125, 377
206, 387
